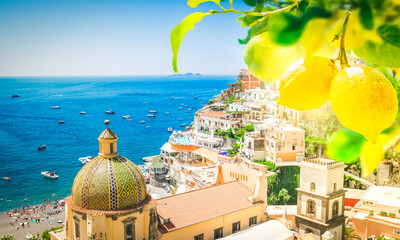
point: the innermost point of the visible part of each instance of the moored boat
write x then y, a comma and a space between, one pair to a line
167, 113
42, 147
151, 115
141, 122
148, 126
83, 112
183, 124
170, 129
56, 107
172, 97
110, 112
179, 119
153, 111
180, 108
49, 174
14, 95
7, 178
85, 160
126, 117
61, 122
194, 97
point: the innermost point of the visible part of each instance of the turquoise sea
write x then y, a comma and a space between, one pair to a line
29, 121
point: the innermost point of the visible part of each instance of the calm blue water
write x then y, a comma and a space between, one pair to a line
29, 121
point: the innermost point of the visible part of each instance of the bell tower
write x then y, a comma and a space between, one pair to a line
320, 198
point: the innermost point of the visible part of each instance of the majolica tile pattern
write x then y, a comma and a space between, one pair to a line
109, 184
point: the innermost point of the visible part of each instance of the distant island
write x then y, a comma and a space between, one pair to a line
185, 75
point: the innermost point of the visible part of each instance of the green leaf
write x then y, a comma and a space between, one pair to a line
195, 3
366, 15
285, 29
345, 145
254, 31
391, 33
253, 3
179, 32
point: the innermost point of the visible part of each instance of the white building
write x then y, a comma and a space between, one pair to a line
285, 144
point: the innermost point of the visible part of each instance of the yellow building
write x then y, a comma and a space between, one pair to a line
110, 201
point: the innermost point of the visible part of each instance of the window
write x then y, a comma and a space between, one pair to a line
293, 147
77, 232
312, 186
334, 187
111, 147
129, 225
199, 237
218, 233
129, 231
252, 220
311, 207
235, 227
335, 209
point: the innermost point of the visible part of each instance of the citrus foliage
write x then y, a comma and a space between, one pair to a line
364, 100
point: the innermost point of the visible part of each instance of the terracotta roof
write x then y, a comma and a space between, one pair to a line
196, 206
207, 153
214, 114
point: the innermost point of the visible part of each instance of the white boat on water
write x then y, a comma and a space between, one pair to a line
167, 113
85, 160
55, 107
170, 129
83, 112
49, 174
142, 122
126, 117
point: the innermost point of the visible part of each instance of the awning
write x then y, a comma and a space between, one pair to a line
167, 148
207, 153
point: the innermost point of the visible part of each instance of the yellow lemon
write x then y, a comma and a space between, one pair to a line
364, 101
313, 39
306, 84
267, 60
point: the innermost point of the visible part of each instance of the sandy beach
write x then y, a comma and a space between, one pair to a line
33, 220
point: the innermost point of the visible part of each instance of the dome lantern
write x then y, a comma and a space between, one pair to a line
108, 142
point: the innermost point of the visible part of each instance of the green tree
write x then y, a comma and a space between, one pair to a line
7, 237
229, 133
284, 195
350, 234
46, 235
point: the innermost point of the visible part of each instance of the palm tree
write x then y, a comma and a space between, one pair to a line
350, 234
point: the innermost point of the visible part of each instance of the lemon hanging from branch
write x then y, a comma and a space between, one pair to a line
306, 84
267, 60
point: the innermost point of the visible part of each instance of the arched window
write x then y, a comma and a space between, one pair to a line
334, 187
335, 209
311, 207
308, 230
312, 186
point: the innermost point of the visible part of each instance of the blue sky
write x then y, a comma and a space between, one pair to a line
116, 37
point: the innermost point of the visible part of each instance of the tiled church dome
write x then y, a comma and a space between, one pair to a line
109, 181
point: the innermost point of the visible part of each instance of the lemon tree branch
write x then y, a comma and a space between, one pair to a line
342, 52
267, 14
264, 15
